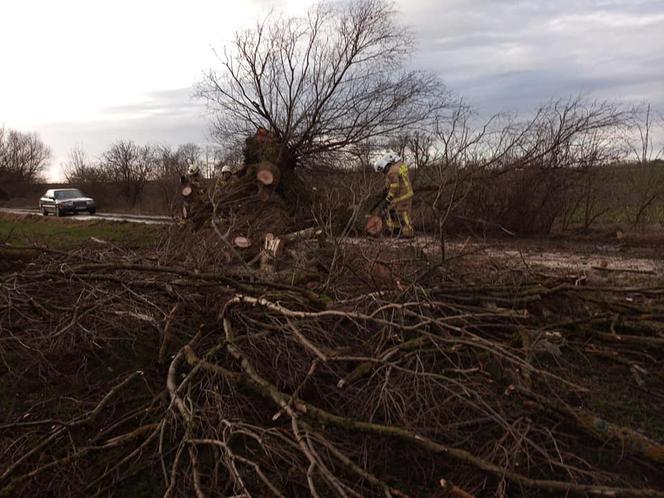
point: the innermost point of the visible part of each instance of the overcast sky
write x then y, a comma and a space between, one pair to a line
85, 73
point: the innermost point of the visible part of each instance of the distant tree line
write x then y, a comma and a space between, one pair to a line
572, 163
23, 159
131, 167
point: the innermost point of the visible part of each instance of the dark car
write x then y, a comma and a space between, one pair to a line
66, 200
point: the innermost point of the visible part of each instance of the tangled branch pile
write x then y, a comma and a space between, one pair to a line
388, 375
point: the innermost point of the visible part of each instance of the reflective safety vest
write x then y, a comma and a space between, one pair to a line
399, 189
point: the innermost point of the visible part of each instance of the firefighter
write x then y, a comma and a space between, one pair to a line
398, 195
194, 202
194, 175
226, 176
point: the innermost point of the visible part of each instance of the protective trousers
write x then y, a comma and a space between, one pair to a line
398, 223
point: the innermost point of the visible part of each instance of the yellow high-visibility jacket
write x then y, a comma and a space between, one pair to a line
399, 189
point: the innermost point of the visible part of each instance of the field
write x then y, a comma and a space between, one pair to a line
146, 361
62, 233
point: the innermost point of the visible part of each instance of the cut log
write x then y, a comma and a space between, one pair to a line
268, 174
241, 242
374, 225
186, 191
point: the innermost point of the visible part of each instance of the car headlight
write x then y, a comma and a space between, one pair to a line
90, 202
68, 203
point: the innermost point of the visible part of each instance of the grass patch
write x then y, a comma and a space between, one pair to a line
66, 233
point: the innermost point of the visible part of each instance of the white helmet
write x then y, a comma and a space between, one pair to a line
226, 169
386, 159
193, 168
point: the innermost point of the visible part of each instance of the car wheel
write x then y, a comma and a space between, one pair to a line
44, 211
92, 211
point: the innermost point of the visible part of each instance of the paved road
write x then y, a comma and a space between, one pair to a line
133, 218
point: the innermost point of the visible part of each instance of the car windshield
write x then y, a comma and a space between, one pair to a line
68, 194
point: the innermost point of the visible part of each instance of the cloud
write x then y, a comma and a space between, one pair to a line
504, 54
604, 19
159, 103
168, 117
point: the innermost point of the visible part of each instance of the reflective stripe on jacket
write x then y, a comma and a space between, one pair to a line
399, 188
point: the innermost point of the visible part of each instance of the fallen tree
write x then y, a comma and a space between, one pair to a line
385, 372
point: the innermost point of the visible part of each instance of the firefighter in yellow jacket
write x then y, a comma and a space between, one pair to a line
398, 194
